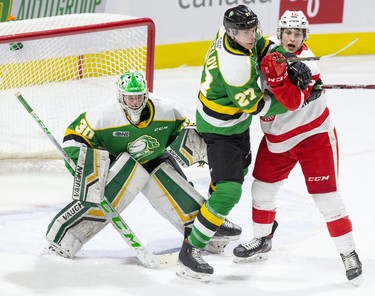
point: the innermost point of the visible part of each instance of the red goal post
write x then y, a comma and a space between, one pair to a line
64, 65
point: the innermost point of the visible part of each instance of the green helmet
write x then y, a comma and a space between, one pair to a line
130, 85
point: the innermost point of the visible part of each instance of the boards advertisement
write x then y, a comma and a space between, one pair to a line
184, 28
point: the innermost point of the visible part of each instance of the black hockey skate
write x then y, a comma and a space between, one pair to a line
254, 250
191, 264
227, 232
353, 267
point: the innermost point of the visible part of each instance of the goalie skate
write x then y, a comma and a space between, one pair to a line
55, 249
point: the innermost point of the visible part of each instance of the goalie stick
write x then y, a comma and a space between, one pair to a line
318, 58
348, 86
146, 258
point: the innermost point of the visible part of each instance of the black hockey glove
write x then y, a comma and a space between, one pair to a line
316, 92
300, 74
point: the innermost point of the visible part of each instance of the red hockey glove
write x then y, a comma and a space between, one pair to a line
275, 71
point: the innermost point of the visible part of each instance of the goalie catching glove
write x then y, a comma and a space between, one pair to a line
189, 147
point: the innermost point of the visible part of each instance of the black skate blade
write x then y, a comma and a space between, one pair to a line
186, 273
255, 258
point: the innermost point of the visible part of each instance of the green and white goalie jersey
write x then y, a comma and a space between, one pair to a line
108, 128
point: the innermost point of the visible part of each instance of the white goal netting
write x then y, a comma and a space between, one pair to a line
63, 65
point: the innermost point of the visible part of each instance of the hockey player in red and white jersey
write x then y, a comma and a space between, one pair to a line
305, 135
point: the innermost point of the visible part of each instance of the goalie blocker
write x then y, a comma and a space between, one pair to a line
167, 191
189, 147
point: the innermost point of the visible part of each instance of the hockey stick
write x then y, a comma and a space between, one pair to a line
292, 59
147, 259
348, 86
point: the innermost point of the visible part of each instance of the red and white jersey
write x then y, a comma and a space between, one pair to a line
285, 131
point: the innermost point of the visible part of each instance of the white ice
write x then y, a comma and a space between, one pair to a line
303, 260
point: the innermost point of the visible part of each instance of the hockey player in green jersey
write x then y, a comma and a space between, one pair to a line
130, 136
229, 96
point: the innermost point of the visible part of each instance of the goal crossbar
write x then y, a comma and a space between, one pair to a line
43, 34
65, 65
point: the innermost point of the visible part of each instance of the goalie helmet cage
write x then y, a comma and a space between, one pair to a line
64, 65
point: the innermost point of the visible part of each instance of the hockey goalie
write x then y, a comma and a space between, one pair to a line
120, 151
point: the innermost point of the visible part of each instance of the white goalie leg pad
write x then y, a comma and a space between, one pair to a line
263, 198
69, 229
189, 147
90, 175
68, 247
129, 177
78, 223
172, 196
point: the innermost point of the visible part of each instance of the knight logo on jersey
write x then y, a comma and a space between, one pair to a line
142, 147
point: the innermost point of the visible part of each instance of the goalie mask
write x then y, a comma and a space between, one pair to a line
293, 20
132, 93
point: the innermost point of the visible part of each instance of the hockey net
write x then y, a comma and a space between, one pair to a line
63, 66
